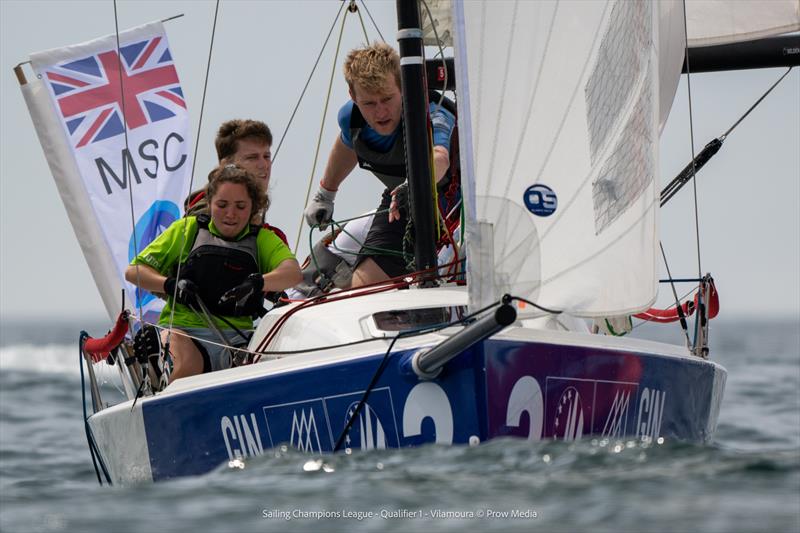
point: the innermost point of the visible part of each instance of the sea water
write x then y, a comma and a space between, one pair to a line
748, 479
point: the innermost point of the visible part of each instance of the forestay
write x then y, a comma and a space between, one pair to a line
78, 109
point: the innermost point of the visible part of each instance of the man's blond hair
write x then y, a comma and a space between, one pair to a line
370, 67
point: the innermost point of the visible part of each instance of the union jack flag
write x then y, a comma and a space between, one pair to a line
90, 96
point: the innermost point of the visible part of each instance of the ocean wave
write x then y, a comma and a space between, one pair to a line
48, 358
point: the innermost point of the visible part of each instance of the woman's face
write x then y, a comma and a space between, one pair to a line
231, 208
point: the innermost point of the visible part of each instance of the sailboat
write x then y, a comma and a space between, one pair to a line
560, 106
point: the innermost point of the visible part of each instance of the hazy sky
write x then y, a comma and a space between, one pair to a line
748, 194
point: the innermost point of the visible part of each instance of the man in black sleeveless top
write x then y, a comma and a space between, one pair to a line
372, 137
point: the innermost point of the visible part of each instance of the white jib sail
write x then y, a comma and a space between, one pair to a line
559, 146
97, 163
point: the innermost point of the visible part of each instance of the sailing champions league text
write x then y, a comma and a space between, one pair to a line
399, 514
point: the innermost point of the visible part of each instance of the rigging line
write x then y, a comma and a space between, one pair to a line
375, 377
385, 361
684, 326
321, 129
191, 176
377, 29
643, 322
672, 188
125, 165
537, 306
691, 137
724, 135
441, 52
305, 88
354, 9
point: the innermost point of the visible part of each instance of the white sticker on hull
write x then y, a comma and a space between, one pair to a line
568, 423
305, 436
370, 433
242, 436
428, 400
526, 397
651, 412
615, 426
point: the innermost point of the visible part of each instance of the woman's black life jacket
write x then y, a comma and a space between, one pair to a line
217, 265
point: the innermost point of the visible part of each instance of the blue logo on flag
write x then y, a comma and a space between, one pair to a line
540, 200
151, 224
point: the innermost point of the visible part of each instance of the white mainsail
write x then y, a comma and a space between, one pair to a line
712, 22
715, 22
116, 140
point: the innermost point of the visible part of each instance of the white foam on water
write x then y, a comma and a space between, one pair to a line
48, 358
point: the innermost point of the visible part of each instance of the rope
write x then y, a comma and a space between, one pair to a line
684, 325
724, 135
384, 363
89, 436
125, 165
691, 136
191, 178
354, 9
305, 87
373, 20
341, 224
321, 128
441, 52
412, 333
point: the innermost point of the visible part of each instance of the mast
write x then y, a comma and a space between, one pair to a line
415, 130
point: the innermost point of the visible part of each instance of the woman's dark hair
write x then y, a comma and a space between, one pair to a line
234, 174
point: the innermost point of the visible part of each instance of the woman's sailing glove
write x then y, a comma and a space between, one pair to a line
240, 295
320, 209
186, 290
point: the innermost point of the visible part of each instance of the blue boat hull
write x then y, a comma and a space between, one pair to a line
500, 388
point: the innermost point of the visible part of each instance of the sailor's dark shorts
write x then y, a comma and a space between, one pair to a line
384, 242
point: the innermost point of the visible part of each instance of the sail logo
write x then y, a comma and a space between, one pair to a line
617, 415
540, 200
305, 436
154, 221
569, 419
91, 92
367, 432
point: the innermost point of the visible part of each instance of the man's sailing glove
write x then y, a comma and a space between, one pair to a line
186, 290
399, 201
320, 209
240, 294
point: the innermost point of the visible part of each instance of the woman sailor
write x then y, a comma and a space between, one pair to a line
214, 271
